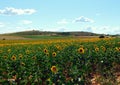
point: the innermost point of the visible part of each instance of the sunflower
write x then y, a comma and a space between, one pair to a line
22, 64
96, 49
117, 49
45, 50
5, 57
54, 69
27, 51
47, 54
54, 54
13, 58
20, 56
103, 48
58, 47
81, 50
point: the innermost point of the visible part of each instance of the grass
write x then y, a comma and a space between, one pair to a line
45, 37
16, 36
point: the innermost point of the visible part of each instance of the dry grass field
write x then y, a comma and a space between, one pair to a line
6, 37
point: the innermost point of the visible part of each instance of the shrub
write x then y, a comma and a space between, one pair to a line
101, 36
3, 39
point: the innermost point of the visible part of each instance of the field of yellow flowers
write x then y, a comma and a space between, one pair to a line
60, 62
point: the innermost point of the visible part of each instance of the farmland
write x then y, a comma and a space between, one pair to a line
57, 61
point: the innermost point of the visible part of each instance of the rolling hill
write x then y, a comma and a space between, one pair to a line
35, 34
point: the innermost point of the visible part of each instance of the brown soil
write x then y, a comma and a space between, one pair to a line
5, 37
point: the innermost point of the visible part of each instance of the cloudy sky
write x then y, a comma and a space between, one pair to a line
98, 16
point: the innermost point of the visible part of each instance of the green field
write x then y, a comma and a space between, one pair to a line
45, 37
60, 61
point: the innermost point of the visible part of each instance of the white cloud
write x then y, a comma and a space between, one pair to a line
103, 30
26, 22
63, 21
2, 24
15, 11
83, 19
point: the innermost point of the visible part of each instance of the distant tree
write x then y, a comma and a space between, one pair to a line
64, 33
3, 39
101, 36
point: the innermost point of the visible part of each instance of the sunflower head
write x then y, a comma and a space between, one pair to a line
5, 57
117, 49
47, 54
20, 56
103, 48
45, 50
13, 58
54, 54
96, 49
81, 50
27, 51
58, 47
22, 64
54, 69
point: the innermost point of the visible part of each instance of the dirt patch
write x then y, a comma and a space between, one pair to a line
97, 79
4, 37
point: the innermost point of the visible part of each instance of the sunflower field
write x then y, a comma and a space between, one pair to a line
91, 61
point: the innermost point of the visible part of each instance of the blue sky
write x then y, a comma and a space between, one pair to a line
98, 16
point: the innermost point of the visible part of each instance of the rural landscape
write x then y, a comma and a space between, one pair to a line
60, 42
65, 58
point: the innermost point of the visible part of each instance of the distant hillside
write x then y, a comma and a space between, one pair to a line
36, 32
